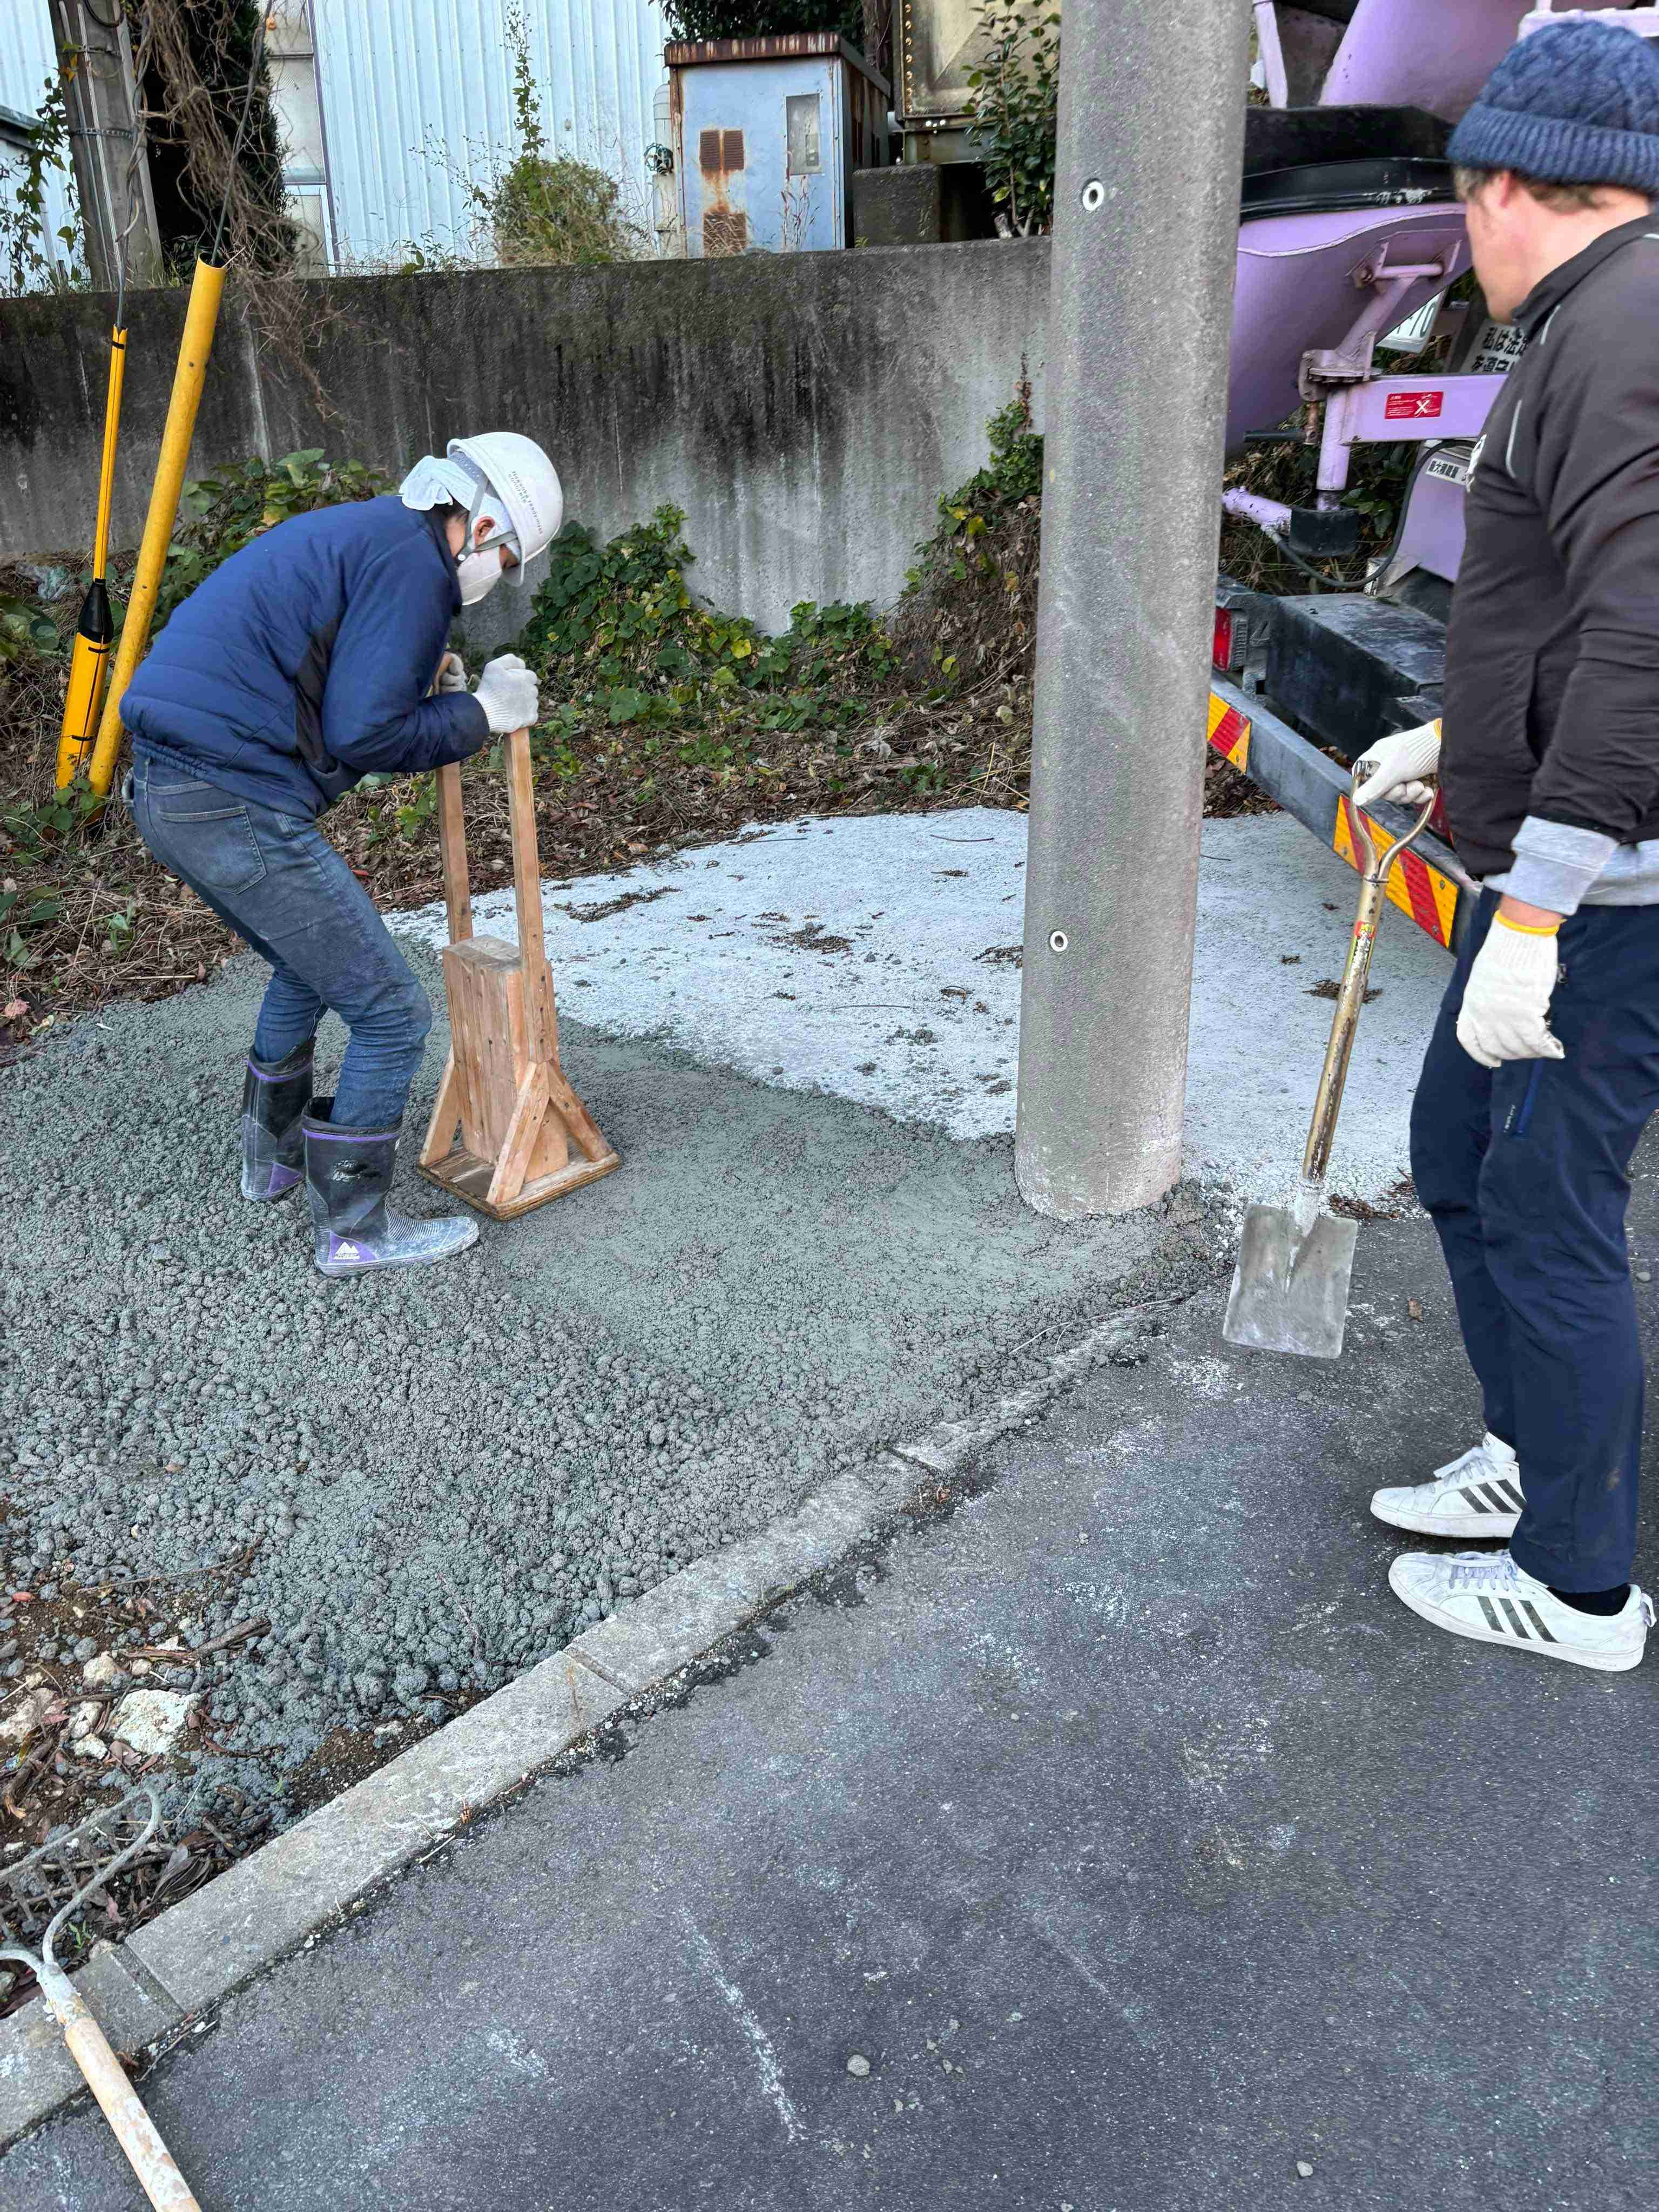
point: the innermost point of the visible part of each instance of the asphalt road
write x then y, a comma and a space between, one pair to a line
1113, 1842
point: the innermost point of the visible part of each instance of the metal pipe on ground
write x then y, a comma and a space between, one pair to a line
1152, 117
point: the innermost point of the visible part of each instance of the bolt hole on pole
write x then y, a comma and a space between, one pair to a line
1135, 384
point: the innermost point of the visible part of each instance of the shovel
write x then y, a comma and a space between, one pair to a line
1291, 1287
39, 1897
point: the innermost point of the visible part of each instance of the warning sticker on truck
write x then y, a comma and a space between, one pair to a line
1415, 406
1451, 464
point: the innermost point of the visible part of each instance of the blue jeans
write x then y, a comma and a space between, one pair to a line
1523, 1169
282, 887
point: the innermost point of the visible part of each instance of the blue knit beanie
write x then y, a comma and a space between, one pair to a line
1575, 104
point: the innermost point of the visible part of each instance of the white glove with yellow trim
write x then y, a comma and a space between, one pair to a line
1506, 1001
1393, 767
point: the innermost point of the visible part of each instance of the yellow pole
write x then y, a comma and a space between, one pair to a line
95, 630
195, 347
117, 369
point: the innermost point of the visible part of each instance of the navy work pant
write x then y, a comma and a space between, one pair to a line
1522, 1168
282, 887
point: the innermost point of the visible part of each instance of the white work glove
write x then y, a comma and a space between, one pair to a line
1393, 767
506, 692
1506, 1001
452, 674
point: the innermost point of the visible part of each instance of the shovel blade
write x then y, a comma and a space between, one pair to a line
1291, 1292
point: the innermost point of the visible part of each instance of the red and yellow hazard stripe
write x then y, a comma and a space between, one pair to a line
1415, 885
1429, 897
1230, 732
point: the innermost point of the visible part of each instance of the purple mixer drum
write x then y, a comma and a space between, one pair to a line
1328, 187
1327, 192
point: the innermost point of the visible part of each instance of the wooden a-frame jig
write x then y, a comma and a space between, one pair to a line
502, 1086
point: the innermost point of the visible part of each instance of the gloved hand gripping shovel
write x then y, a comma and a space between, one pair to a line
1291, 1285
38, 1897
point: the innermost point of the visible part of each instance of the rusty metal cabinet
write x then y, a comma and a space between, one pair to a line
767, 135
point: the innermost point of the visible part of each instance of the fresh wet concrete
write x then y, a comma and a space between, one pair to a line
877, 957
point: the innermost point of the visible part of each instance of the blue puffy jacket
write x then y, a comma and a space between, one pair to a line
303, 663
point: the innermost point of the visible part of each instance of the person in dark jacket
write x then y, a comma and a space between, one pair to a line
1543, 1068
311, 658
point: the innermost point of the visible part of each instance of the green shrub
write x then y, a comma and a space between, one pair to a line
1014, 474
764, 19
616, 629
25, 629
25, 264
559, 211
221, 515
1012, 106
969, 612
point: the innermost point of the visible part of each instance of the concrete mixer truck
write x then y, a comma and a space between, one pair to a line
1350, 231
1349, 226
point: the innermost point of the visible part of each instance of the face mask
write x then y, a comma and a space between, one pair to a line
479, 573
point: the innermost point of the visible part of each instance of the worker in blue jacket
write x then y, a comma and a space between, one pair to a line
307, 661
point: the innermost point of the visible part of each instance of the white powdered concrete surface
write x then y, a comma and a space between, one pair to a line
877, 957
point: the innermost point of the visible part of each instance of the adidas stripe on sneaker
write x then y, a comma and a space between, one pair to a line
1485, 1596
1479, 1496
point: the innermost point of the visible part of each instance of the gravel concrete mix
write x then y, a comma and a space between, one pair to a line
438, 1477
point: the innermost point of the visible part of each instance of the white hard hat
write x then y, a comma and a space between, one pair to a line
525, 481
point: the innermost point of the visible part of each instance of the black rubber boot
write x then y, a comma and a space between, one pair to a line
348, 1175
275, 1094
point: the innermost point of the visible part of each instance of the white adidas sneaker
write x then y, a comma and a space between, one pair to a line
1486, 1597
1479, 1495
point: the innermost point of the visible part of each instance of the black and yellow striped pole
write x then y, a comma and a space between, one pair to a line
95, 631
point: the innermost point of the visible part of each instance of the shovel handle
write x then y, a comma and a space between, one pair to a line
1373, 865
1351, 996
136, 2133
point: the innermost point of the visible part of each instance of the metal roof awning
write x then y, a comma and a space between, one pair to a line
784, 45
17, 130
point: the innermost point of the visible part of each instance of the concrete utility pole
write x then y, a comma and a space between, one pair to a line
103, 117
1152, 117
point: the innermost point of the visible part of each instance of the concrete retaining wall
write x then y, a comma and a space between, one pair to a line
805, 410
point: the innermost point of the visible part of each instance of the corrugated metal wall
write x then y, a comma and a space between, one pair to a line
417, 94
27, 59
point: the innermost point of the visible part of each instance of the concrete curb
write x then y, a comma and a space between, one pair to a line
267, 1906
